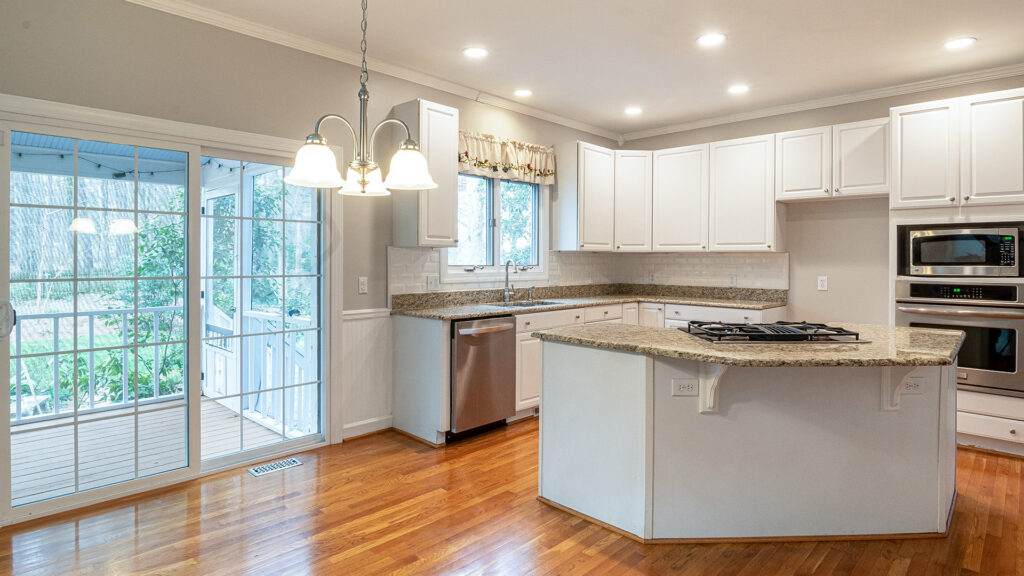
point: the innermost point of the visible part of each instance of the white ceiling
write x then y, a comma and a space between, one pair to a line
586, 60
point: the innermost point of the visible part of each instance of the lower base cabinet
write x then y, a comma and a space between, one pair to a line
528, 351
679, 316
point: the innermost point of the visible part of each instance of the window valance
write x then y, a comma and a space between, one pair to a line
490, 156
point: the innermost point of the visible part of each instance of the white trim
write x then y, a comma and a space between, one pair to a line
365, 314
367, 426
267, 33
849, 98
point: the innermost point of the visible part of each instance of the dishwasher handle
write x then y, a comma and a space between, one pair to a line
963, 313
488, 330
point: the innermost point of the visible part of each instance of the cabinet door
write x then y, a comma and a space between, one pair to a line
803, 164
631, 314
652, 315
633, 176
993, 149
596, 188
680, 206
681, 313
743, 194
439, 142
927, 155
860, 158
527, 371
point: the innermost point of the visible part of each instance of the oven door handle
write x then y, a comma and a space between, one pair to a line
963, 313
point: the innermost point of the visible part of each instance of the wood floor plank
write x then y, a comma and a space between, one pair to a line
386, 504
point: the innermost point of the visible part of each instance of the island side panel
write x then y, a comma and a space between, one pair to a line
947, 444
795, 452
594, 433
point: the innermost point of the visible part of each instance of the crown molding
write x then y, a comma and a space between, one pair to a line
849, 98
233, 23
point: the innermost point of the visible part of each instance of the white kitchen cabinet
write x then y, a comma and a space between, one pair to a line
430, 217
631, 313
742, 208
992, 148
860, 158
680, 199
926, 154
601, 313
584, 203
678, 315
633, 196
652, 314
528, 368
803, 164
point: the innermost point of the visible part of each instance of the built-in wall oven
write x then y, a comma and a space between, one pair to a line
990, 312
956, 250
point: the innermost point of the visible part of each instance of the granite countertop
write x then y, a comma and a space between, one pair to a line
495, 309
888, 346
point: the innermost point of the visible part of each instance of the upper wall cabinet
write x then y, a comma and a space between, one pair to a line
926, 155
633, 175
680, 216
992, 148
742, 214
860, 158
430, 217
846, 160
803, 164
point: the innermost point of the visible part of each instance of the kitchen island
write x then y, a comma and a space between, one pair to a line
666, 437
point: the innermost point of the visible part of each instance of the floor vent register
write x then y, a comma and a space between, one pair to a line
274, 466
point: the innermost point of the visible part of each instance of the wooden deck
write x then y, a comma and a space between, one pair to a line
43, 454
386, 504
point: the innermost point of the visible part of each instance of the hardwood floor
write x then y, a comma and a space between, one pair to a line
385, 504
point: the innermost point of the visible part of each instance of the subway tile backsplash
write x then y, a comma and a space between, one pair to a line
409, 268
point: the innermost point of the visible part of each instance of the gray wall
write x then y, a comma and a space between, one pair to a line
846, 240
117, 56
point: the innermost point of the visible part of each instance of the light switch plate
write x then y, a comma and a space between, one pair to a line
684, 386
363, 285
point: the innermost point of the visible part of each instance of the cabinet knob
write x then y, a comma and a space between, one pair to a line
769, 245
702, 247
577, 316
952, 198
836, 190
527, 323
825, 190
1013, 430
966, 198
605, 312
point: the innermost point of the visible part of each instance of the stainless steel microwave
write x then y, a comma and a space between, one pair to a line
963, 251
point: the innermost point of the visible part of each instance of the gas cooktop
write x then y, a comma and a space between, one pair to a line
793, 332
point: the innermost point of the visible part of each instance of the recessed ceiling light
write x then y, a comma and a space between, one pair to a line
711, 39
960, 43
474, 52
634, 111
739, 89
523, 92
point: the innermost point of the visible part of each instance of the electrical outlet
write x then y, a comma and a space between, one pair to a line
684, 386
732, 280
823, 283
913, 385
433, 282
363, 285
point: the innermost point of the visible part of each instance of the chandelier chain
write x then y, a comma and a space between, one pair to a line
363, 75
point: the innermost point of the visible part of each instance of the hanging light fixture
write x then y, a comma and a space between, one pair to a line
316, 166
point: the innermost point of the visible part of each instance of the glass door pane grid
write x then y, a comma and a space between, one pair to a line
81, 354
260, 345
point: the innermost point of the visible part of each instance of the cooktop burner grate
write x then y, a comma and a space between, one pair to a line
776, 332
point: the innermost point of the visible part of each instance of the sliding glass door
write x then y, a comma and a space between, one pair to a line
261, 312
97, 274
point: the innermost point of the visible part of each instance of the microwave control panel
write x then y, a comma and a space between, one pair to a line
1007, 257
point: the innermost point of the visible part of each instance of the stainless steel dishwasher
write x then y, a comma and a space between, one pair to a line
483, 372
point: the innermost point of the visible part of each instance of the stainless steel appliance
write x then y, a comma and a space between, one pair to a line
483, 372
952, 250
992, 315
792, 332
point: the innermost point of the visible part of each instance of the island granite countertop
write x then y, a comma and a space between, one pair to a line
887, 346
496, 309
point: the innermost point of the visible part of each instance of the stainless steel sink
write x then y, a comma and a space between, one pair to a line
527, 303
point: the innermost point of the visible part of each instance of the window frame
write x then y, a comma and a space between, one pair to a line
460, 274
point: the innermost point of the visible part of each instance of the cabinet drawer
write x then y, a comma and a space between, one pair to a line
990, 404
545, 320
710, 314
599, 313
990, 427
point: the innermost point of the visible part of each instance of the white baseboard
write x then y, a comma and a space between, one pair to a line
993, 444
366, 426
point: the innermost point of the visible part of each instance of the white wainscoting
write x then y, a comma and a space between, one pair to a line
366, 371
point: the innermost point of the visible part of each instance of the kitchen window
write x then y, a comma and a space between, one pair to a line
499, 220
